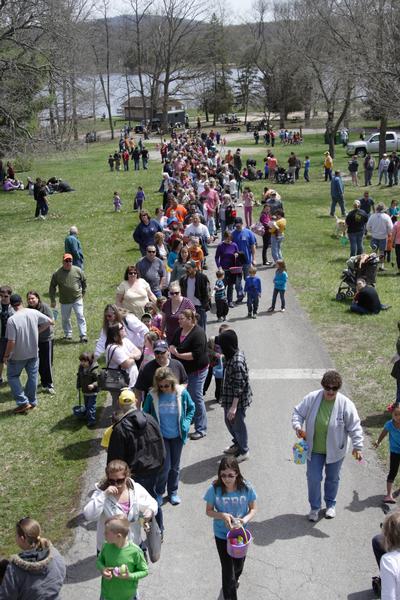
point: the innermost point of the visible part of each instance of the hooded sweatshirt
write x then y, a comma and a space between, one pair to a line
236, 375
137, 440
34, 575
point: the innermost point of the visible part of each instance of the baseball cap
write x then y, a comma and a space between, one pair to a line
160, 346
15, 299
126, 398
67, 256
238, 220
190, 263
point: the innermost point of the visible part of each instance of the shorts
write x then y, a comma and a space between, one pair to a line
3, 345
378, 244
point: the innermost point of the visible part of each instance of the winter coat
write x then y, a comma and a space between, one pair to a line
34, 575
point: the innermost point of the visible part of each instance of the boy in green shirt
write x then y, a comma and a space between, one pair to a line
120, 561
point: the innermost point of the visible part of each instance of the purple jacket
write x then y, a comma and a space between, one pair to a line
224, 255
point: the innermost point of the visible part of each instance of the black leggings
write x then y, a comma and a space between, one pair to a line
266, 244
231, 570
397, 250
394, 466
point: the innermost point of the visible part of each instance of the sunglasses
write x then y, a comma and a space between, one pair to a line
132, 272
174, 293
116, 481
67, 260
331, 388
151, 251
228, 476
160, 351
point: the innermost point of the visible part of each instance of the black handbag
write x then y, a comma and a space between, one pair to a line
110, 379
396, 370
153, 540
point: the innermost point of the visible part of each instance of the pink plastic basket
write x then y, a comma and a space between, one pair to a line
238, 551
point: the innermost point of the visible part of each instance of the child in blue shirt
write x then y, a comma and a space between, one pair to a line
307, 164
280, 282
393, 429
252, 288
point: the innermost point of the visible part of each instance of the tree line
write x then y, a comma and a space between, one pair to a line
304, 55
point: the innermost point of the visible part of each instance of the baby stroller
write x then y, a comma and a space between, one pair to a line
282, 176
362, 266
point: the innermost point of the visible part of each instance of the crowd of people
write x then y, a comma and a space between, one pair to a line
155, 345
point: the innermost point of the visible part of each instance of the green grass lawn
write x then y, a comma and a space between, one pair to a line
44, 453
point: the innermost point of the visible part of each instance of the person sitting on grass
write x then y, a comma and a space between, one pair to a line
366, 301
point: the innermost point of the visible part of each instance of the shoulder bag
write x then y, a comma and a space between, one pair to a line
112, 379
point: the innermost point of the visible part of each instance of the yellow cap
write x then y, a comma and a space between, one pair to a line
126, 398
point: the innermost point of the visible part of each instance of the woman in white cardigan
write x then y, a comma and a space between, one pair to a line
118, 494
390, 562
330, 418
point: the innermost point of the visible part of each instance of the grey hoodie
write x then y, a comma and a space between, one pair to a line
34, 575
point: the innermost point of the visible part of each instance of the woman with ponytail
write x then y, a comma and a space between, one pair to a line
36, 573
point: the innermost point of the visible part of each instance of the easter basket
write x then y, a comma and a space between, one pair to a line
238, 542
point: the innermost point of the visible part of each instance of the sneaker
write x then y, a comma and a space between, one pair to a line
67, 337
22, 409
242, 457
220, 319
330, 513
231, 449
249, 315
83, 339
271, 309
282, 310
174, 499
49, 390
231, 305
254, 316
197, 435
313, 515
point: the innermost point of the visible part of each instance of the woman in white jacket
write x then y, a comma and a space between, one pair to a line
118, 494
330, 418
390, 562
134, 328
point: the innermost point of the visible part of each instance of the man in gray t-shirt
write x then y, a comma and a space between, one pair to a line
21, 352
152, 270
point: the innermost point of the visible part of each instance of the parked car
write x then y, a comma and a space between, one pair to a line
371, 145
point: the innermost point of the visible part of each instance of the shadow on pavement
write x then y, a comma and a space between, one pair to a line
82, 570
283, 527
83, 449
200, 471
364, 595
357, 505
80, 521
377, 420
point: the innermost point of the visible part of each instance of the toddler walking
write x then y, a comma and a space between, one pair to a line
117, 202
221, 302
280, 282
392, 428
120, 561
86, 380
252, 288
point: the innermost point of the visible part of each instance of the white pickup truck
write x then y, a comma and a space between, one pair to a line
362, 147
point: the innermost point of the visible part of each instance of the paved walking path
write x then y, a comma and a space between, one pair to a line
290, 558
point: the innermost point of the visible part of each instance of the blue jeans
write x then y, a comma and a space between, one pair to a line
169, 475
22, 395
252, 303
315, 467
90, 405
238, 282
201, 317
276, 248
339, 201
238, 430
356, 243
195, 389
275, 295
149, 483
